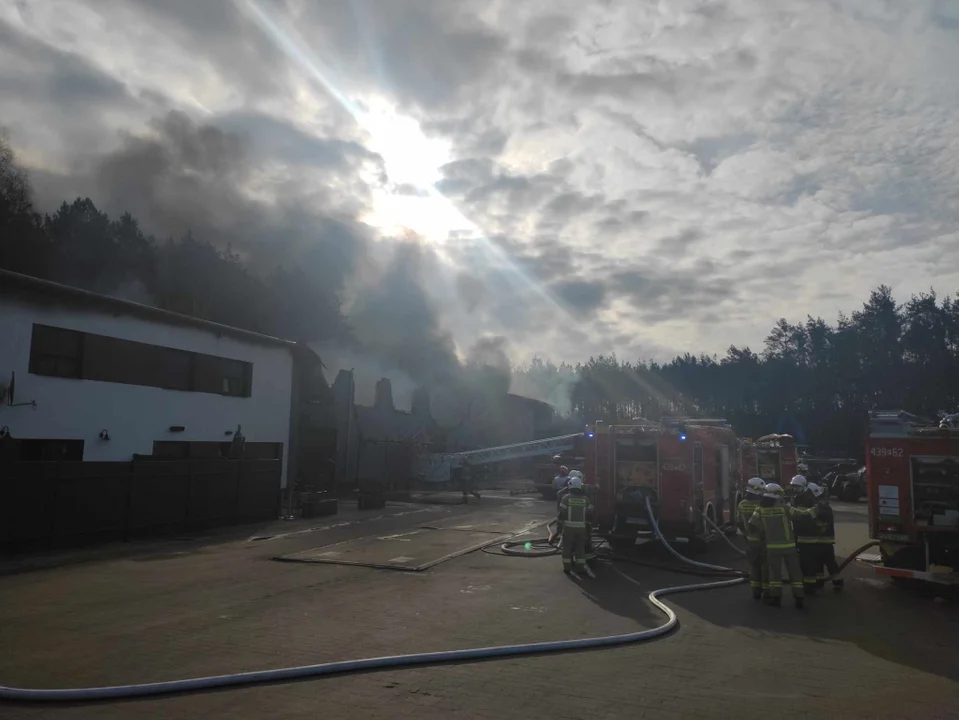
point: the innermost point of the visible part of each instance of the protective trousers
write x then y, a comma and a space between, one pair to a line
810, 560
574, 547
775, 559
758, 578
826, 556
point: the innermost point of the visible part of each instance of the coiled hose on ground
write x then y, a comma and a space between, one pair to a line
398, 661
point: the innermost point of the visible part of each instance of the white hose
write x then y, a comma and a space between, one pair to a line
394, 661
729, 542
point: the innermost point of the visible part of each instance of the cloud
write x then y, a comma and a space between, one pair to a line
649, 178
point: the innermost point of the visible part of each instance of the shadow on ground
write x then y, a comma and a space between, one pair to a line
880, 618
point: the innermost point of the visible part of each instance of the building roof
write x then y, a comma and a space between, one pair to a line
40, 291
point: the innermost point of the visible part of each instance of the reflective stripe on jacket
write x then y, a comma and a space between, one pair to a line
775, 525
744, 511
574, 510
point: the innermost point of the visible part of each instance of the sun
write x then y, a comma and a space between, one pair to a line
409, 199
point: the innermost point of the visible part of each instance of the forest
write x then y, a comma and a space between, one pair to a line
812, 378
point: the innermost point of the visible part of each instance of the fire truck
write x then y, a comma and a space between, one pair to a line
912, 476
773, 458
686, 467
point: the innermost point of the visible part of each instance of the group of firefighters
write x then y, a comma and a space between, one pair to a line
792, 528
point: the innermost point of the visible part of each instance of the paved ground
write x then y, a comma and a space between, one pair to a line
189, 609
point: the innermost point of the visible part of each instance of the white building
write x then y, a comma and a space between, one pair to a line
111, 379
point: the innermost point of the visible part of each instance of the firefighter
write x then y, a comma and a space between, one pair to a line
796, 486
467, 481
827, 541
754, 548
807, 533
772, 522
560, 480
590, 554
575, 513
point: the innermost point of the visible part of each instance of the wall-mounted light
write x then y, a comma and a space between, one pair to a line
104, 435
177, 428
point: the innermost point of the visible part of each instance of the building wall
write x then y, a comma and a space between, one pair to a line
136, 416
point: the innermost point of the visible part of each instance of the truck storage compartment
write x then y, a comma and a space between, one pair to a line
637, 477
935, 491
769, 466
637, 464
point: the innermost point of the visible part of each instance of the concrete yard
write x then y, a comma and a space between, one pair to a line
221, 605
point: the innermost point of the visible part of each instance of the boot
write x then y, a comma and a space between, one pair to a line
757, 594
568, 571
800, 603
838, 585
588, 572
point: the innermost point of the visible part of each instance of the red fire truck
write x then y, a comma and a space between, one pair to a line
687, 467
912, 476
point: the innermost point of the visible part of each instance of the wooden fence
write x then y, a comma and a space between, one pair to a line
54, 505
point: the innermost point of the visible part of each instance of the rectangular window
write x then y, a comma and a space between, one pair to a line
51, 450
58, 352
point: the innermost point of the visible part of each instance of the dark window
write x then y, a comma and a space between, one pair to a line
51, 450
635, 451
262, 451
56, 352
184, 449
68, 353
171, 449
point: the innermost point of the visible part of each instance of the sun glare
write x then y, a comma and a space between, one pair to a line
412, 161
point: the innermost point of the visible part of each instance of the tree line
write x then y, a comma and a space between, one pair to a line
82, 246
813, 379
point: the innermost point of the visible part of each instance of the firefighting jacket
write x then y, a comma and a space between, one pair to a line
774, 525
826, 524
575, 510
805, 526
744, 511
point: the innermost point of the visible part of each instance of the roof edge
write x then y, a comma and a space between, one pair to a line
19, 285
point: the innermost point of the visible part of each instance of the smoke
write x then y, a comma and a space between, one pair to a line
218, 184
549, 383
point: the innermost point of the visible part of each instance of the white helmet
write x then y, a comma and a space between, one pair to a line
576, 474
575, 483
773, 490
799, 482
755, 486
814, 489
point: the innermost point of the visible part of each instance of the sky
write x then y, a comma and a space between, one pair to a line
548, 177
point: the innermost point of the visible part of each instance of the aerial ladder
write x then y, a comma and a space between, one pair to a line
438, 467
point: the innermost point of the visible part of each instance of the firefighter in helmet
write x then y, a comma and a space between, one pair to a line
796, 487
575, 514
826, 545
754, 548
772, 523
807, 532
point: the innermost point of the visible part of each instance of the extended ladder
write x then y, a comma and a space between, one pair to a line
436, 468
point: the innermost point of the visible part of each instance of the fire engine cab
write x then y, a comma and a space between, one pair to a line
686, 467
912, 475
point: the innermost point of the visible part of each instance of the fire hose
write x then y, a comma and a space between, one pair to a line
344, 667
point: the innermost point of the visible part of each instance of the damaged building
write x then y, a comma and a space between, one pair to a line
378, 444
